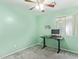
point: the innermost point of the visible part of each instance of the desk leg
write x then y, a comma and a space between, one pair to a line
58, 46
44, 43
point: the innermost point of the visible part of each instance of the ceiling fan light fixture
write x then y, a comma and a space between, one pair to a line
39, 7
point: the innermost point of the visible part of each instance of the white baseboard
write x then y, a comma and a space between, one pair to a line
69, 51
66, 50
18, 50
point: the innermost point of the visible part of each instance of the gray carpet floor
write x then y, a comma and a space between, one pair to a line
38, 53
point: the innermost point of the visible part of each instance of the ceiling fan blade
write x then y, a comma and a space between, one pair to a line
51, 4
29, 1
32, 8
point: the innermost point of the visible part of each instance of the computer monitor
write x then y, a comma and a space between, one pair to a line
55, 31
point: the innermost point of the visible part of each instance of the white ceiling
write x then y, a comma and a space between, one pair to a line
60, 4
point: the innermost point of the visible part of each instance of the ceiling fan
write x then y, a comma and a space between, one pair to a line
40, 4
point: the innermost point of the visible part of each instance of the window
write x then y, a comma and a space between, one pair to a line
65, 24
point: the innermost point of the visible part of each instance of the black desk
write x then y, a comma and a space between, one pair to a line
58, 38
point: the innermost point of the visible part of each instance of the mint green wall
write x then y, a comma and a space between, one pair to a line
18, 29
69, 43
